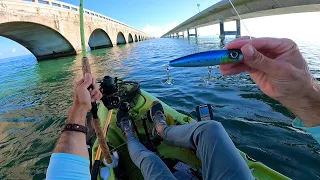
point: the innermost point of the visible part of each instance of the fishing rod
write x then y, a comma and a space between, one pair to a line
104, 149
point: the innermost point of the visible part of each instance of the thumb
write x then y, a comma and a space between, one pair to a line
87, 80
257, 60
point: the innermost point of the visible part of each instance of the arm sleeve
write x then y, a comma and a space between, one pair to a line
313, 131
68, 166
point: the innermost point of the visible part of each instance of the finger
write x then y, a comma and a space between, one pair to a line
96, 97
227, 66
257, 60
94, 92
87, 80
242, 38
236, 40
269, 44
239, 68
94, 83
78, 83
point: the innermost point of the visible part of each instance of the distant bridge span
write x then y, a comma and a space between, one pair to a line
51, 29
223, 12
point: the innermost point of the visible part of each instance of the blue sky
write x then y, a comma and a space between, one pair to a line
138, 13
158, 16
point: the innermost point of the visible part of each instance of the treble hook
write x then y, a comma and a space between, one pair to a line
169, 79
207, 80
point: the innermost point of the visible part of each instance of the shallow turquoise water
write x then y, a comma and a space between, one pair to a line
35, 97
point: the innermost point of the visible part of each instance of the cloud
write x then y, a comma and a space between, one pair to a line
158, 31
14, 50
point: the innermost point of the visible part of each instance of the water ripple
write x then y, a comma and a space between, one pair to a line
35, 97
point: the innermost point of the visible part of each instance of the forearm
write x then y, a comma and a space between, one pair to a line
73, 142
306, 108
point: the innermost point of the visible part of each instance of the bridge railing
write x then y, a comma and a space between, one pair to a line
75, 9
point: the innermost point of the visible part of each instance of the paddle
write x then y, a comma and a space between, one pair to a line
96, 122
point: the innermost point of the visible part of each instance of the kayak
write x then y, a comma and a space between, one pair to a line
140, 104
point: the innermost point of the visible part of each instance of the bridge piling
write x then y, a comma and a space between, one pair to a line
182, 35
224, 33
188, 34
195, 33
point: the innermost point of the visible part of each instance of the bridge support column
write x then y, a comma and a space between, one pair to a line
188, 34
195, 34
181, 35
238, 28
224, 33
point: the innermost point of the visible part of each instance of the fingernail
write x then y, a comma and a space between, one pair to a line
250, 51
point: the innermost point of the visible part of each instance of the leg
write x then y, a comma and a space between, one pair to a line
151, 166
219, 156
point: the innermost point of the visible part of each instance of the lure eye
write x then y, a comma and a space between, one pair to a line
234, 54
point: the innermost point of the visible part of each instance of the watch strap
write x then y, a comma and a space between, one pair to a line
75, 127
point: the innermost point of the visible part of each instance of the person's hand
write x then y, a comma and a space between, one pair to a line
82, 97
278, 68
275, 65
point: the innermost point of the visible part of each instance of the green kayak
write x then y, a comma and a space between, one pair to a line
140, 104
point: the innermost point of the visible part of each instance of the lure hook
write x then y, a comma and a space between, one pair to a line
169, 79
208, 78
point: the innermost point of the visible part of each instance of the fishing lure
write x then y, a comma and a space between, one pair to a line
208, 58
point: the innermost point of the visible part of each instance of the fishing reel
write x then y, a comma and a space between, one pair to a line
109, 85
116, 91
108, 88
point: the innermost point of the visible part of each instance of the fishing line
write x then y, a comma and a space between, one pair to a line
234, 8
114, 149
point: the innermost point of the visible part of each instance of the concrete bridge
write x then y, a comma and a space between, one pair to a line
50, 29
223, 12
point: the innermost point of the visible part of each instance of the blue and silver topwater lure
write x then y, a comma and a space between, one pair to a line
208, 58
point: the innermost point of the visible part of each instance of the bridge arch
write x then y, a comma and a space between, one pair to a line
99, 39
130, 39
42, 41
120, 38
139, 38
135, 38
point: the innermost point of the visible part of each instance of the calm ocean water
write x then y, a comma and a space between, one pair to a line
35, 97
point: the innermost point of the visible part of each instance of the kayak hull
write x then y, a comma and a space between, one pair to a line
117, 141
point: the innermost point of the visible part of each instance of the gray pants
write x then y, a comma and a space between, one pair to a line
219, 156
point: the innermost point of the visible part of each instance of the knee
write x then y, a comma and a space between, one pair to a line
140, 156
212, 129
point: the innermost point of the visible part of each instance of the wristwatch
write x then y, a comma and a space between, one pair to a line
75, 127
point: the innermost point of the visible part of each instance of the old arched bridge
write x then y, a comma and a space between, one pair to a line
50, 29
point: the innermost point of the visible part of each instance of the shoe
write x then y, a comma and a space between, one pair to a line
158, 117
124, 122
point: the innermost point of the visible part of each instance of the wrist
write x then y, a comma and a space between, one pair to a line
77, 115
307, 106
